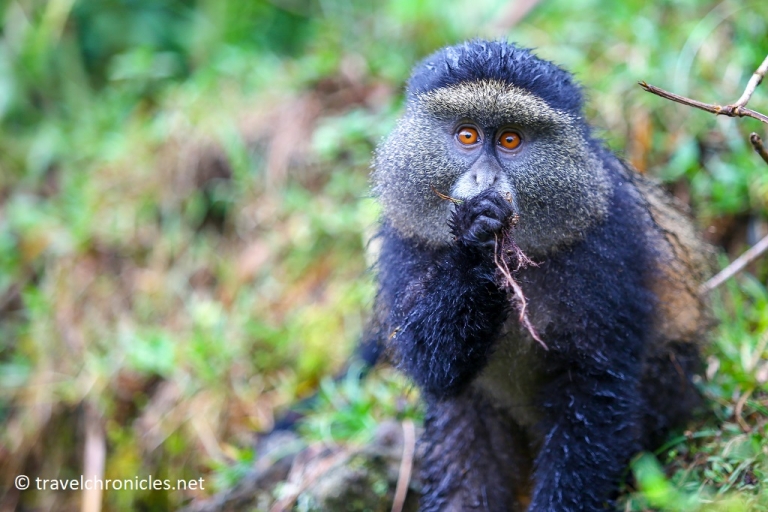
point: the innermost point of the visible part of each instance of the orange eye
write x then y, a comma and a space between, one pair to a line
510, 140
467, 135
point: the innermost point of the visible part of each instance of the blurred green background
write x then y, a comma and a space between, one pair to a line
184, 209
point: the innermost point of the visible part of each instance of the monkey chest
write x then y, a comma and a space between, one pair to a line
513, 377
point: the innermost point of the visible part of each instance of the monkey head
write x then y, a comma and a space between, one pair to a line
491, 115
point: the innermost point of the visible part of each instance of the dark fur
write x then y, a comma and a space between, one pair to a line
478, 60
609, 383
448, 297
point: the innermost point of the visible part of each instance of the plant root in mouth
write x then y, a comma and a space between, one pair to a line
506, 253
445, 197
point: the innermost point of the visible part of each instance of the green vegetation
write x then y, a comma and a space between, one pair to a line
184, 209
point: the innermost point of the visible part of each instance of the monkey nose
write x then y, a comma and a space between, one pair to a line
485, 178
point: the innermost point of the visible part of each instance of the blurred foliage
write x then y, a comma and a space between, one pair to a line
184, 209
351, 409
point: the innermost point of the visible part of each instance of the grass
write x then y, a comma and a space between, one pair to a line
721, 461
184, 207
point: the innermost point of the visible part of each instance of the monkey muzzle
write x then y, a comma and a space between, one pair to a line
485, 173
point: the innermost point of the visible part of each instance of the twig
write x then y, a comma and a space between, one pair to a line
736, 265
515, 13
406, 465
736, 109
302, 476
754, 81
757, 143
719, 110
94, 457
740, 409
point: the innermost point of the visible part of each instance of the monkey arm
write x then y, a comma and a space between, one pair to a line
445, 313
444, 308
591, 428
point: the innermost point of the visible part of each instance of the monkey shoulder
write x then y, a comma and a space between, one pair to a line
682, 263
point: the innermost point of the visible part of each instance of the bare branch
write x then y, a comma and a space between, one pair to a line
757, 143
757, 77
719, 110
740, 409
736, 109
514, 14
406, 465
736, 265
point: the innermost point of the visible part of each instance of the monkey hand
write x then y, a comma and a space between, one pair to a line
479, 220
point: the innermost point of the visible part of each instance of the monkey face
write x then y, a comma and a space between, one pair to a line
462, 139
484, 154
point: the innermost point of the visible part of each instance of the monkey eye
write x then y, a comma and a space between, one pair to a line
510, 140
467, 135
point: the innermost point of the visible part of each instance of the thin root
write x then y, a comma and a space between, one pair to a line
445, 197
508, 248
